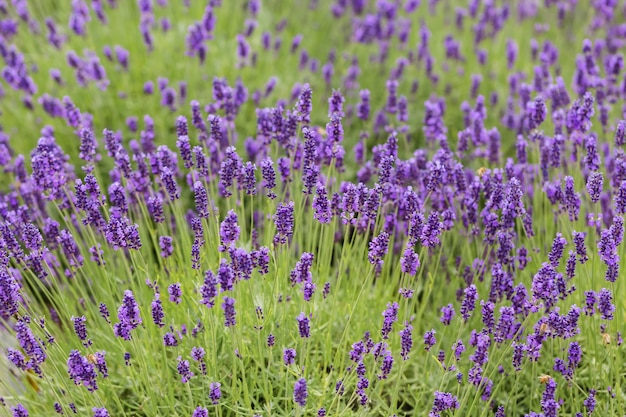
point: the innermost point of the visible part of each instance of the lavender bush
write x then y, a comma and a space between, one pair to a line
321, 207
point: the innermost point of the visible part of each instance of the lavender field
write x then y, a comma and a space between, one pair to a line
312, 208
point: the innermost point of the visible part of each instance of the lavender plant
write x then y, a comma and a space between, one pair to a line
312, 208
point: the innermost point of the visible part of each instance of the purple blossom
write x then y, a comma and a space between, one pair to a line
429, 339
121, 233
229, 311
170, 340
444, 401
269, 177
9, 294
335, 104
156, 308
200, 412
537, 111
169, 182
469, 302
581, 250
80, 329
607, 248
590, 402
229, 230
556, 253
197, 353
409, 262
605, 305
98, 412
363, 108
231, 165
571, 199
378, 249
248, 179
447, 313
201, 200
594, 185
549, 405
544, 286
303, 106
165, 243
321, 205
215, 392
390, 316
300, 392
175, 293
458, 348
617, 229
128, 316
406, 339
289, 356
104, 312
82, 371
183, 370
208, 290
431, 230
304, 326
284, 220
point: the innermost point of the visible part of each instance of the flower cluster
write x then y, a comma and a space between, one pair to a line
460, 172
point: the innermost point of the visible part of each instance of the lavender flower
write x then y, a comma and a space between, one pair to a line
215, 392
229, 230
363, 109
429, 339
248, 179
594, 185
165, 243
183, 370
19, 411
304, 107
469, 302
571, 199
556, 253
289, 356
304, 327
447, 313
269, 177
208, 290
549, 405
200, 412
229, 311
321, 205
605, 305
128, 315
406, 340
104, 312
444, 401
156, 308
175, 293
169, 182
81, 330
300, 392
99, 412
82, 371
170, 340
390, 316
607, 248
201, 200
581, 250
409, 262
284, 220
378, 249
590, 401
431, 230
